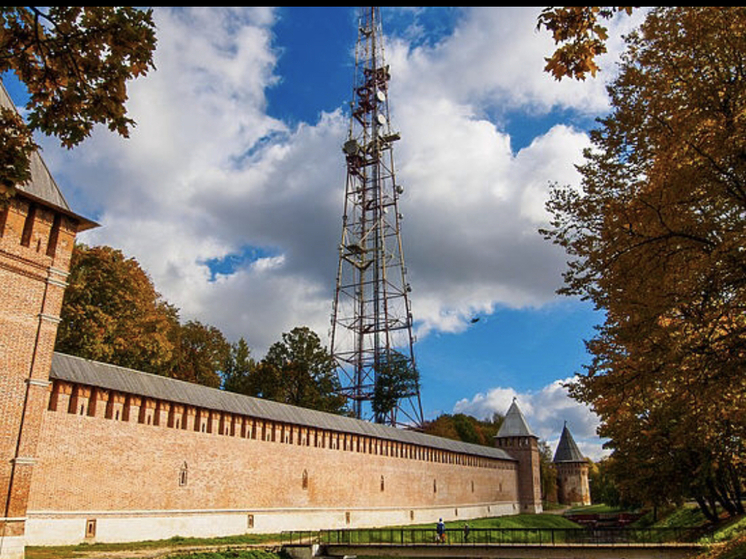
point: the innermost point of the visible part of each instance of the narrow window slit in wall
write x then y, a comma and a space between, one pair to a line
347, 518
183, 475
54, 235
28, 226
304, 481
90, 528
250, 521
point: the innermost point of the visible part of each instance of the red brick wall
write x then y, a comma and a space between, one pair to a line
91, 462
35, 248
526, 451
572, 483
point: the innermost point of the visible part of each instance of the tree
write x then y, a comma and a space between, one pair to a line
111, 312
299, 371
200, 354
75, 63
582, 35
548, 473
462, 427
656, 238
238, 368
602, 484
396, 378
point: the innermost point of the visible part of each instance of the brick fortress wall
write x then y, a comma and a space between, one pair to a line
117, 467
572, 483
35, 247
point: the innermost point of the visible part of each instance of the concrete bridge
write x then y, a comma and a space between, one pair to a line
497, 544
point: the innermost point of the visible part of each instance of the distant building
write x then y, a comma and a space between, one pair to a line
572, 472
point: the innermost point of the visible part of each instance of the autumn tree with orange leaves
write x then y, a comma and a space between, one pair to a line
75, 62
657, 240
112, 313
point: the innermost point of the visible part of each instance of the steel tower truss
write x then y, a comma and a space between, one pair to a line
372, 318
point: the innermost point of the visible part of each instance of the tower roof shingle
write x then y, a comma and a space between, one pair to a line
567, 450
515, 424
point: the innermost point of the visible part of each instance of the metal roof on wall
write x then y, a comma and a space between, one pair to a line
111, 377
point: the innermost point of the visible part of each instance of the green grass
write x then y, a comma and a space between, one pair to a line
77, 551
595, 509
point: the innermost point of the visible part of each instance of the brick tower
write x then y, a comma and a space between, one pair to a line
37, 234
572, 472
515, 438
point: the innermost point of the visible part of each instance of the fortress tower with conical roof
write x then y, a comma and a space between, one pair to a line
516, 438
572, 472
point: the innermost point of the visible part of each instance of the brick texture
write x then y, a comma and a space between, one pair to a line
35, 248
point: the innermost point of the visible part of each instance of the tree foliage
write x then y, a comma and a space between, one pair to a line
75, 62
111, 312
200, 354
462, 427
299, 371
657, 238
582, 35
238, 368
548, 473
396, 378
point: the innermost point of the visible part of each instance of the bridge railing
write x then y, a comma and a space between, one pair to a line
495, 536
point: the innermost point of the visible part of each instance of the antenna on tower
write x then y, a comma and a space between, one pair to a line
371, 337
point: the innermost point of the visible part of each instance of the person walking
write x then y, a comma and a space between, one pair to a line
441, 529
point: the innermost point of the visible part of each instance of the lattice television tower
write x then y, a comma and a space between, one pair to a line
371, 337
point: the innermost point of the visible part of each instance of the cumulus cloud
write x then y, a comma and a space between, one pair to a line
546, 411
209, 177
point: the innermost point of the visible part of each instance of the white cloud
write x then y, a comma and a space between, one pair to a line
546, 412
208, 174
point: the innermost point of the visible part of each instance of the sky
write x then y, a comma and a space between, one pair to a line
230, 190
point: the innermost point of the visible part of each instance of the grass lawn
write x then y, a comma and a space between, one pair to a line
83, 550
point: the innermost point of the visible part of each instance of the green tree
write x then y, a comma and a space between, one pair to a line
75, 62
112, 313
200, 354
602, 484
396, 378
238, 369
548, 473
656, 238
299, 371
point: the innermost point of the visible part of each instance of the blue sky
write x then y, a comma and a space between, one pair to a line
230, 190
